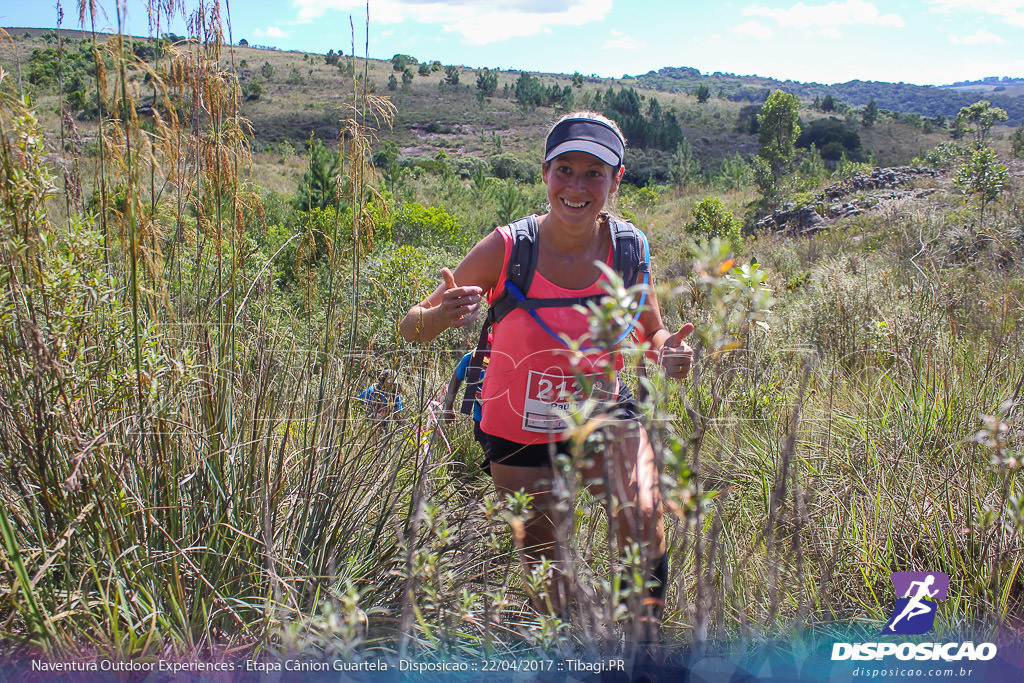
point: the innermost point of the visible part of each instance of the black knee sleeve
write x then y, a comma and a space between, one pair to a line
659, 577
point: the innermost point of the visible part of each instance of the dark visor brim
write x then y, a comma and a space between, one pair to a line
585, 135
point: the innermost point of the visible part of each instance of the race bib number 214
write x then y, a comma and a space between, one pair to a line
548, 396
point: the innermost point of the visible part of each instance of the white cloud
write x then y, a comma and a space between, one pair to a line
830, 32
846, 13
271, 32
477, 22
1010, 11
620, 41
753, 29
977, 38
986, 6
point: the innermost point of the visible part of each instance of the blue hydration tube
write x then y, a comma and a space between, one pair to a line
518, 295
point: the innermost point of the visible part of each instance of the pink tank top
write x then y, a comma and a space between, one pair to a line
530, 379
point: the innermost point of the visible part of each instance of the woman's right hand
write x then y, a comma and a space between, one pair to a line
459, 305
451, 305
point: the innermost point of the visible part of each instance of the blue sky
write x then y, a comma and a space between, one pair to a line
914, 41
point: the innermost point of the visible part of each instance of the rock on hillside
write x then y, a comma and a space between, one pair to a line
877, 179
807, 219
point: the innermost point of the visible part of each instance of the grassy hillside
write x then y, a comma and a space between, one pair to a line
302, 95
1013, 87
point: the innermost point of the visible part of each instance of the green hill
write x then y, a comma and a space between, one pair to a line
925, 100
290, 96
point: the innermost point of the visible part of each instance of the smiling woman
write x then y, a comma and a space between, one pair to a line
532, 379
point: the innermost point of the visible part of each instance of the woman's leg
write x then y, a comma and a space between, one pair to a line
636, 506
633, 477
629, 466
539, 537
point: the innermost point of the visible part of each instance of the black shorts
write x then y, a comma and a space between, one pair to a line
478, 435
513, 454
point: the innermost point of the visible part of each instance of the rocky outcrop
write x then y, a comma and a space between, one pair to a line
880, 183
877, 179
802, 220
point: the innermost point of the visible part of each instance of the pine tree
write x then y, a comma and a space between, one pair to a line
870, 114
319, 186
777, 132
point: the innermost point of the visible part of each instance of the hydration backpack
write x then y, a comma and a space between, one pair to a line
631, 259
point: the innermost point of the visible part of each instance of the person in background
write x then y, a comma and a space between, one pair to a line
450, 394
382, 399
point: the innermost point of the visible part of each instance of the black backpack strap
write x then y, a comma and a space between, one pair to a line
631, 258
475, 370
522, 263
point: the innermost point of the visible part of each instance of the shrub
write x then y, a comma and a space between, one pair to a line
399, 62
684, 168
396, 278
511, 202
506, 166
486, 82
440, 128
710, 218
640, 198
76, 100
746, 120
943, 156
847, 168
812, 165
42, 68
146, 50
419, 225
451, 76
983, 178
734, 173
1017, 142
469, 167
252, 91
832, 138
319, 185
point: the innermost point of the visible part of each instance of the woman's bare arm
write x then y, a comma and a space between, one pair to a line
457, 299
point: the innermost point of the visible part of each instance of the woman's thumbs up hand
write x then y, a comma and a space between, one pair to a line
459, 305
676, 356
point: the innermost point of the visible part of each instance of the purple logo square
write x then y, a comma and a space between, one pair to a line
917, 596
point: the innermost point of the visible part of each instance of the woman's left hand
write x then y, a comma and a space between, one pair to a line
676, 356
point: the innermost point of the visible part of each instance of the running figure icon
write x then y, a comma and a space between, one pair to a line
917, 606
